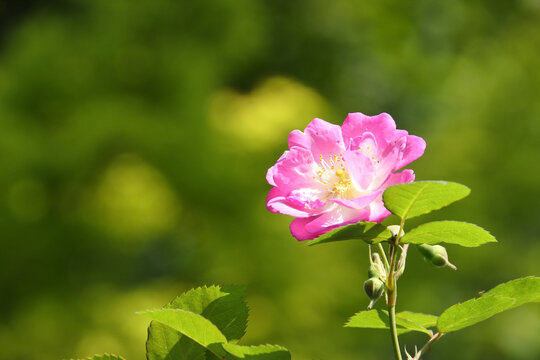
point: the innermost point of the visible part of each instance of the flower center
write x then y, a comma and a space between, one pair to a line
333, 173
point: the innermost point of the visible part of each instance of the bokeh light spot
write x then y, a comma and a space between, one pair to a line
261, 118
133, 200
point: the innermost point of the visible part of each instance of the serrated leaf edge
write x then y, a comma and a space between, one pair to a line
408, 234
400, 327
488, 295
144, 313
278, 347
117, 357
444, 182
463, 319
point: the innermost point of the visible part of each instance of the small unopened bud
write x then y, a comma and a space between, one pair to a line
377, 266
374, 289
402, 261
436, 255
372, 272
394, 229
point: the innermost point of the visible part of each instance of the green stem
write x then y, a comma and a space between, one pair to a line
393, 331
392, 295
436, 336
385, 260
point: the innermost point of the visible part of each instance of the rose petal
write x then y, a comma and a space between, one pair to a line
270, 176
377, 211
276, 202
414, 148
308, 199
382, 126
360, 168
359, 202
326, 139
298, 229
387, 162
295, 171
272, 169
403, 177
367, 144
341, 216
298, 138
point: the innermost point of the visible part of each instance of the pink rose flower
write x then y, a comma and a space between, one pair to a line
333, 176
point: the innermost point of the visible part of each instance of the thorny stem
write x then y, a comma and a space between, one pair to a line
391, 293
393, 331
391, 301
424, 348
391, 286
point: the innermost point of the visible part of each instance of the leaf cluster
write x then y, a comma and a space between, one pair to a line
503, 297
411, 200
419, 198
205, 323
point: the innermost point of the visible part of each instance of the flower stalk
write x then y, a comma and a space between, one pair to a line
391, 284
381, 250
391, 300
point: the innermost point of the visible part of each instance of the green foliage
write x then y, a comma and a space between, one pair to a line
202, 324
166, 343
104, 357
421, 197
406, 321
369, 232
503, 297
224, 306
473, 311
523, 290
194, 326
260, 352
451, 232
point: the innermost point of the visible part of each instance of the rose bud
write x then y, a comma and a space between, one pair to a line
394, 229
372, 273
374, 289
436, 255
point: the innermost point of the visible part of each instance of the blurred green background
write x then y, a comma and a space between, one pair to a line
135, 137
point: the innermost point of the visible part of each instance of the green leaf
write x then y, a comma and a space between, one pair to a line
370, 232
523, 290
423, 320
421, 197
451, 232
224, 306
471, 312
503, 297
260, 352
194, 326
105, 357
165, 343
405, 321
